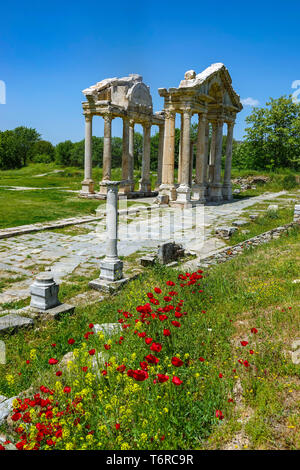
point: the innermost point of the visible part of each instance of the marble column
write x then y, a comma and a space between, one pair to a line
111, 267
212, 152
191, 163
125, 185
145, 183
180, 151
160, 155
106, 173
131, 155
216, 186
167, 187
201, 160
227, 189
206, 157
88, 183
184, 190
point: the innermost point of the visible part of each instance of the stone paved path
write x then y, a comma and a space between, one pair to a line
65, 252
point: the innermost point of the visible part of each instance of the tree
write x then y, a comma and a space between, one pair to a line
273, 136
42, 147
15, 146
63, 153
26, 137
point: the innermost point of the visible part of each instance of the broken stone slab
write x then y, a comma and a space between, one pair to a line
296, 351
5, 409
236, 191
108, 329
107, 286
225, 232
253, 216
13, 322
272, 208
52, 313
239, 223
147, 260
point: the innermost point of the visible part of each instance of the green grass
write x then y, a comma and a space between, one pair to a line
264, 222
252, 290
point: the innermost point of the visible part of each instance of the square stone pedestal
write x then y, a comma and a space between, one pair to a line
111, 270
216, 192
87, 187
198, 193
145, 186
227, 192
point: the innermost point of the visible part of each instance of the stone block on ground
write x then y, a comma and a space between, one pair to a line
13, 321
225, 232
5, 409
239, 223
147, 260
168, 252
108, 329
272, 208
107, 286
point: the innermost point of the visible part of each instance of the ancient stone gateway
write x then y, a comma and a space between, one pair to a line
211, 96
130, 99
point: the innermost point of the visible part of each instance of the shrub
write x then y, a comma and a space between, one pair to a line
289, 182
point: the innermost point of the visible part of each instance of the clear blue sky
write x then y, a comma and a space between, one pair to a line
50, 51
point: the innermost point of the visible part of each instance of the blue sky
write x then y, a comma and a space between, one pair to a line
50, 51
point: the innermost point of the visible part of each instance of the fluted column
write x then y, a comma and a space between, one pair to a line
180, 150
201, 160
106, 173
131, 155
167, 187
184, 190
227, 189
212, 152
160, 155
145, 183
216, 186
125, 186
88, 183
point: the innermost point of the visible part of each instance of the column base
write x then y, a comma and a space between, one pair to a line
227, 192
215, 193
111, 269
107, 286
103, 187
168, 190
198, 192
87, 187
183, 194
144, 186
126, 186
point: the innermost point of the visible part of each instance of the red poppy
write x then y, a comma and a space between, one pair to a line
157, 290
167, 332
67, 389
92, 352
107, 346
144, 365
148, 340
59, 373
151, 359
219, 414
176, 323
16, 416
167, 298
162, 378
176, 380
121, 368
177, 362
150, 295
91, 325
163, 317
251, 351
53, 345
244, 343
52, 361
201, 359
156, 347
246, 363
254, 330
117, 426
220, 375
71, 341
170, 283
140, 375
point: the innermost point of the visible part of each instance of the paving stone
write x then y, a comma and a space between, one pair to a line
5, 408
108, 329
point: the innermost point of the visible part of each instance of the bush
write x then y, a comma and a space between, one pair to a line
42, 158
42, 147
289, 182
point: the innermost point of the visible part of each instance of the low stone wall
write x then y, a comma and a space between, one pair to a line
232, 251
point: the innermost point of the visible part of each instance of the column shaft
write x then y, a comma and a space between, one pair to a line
145, 184
167, 186
216, 187
131, 155
160, 155
106, 175
124, 187
88, 183
227, 190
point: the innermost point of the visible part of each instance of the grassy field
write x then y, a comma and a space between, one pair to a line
53, 202
259, 402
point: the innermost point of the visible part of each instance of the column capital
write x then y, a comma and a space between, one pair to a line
88, 117
131, 122
146, 124
107, 117
170, 114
